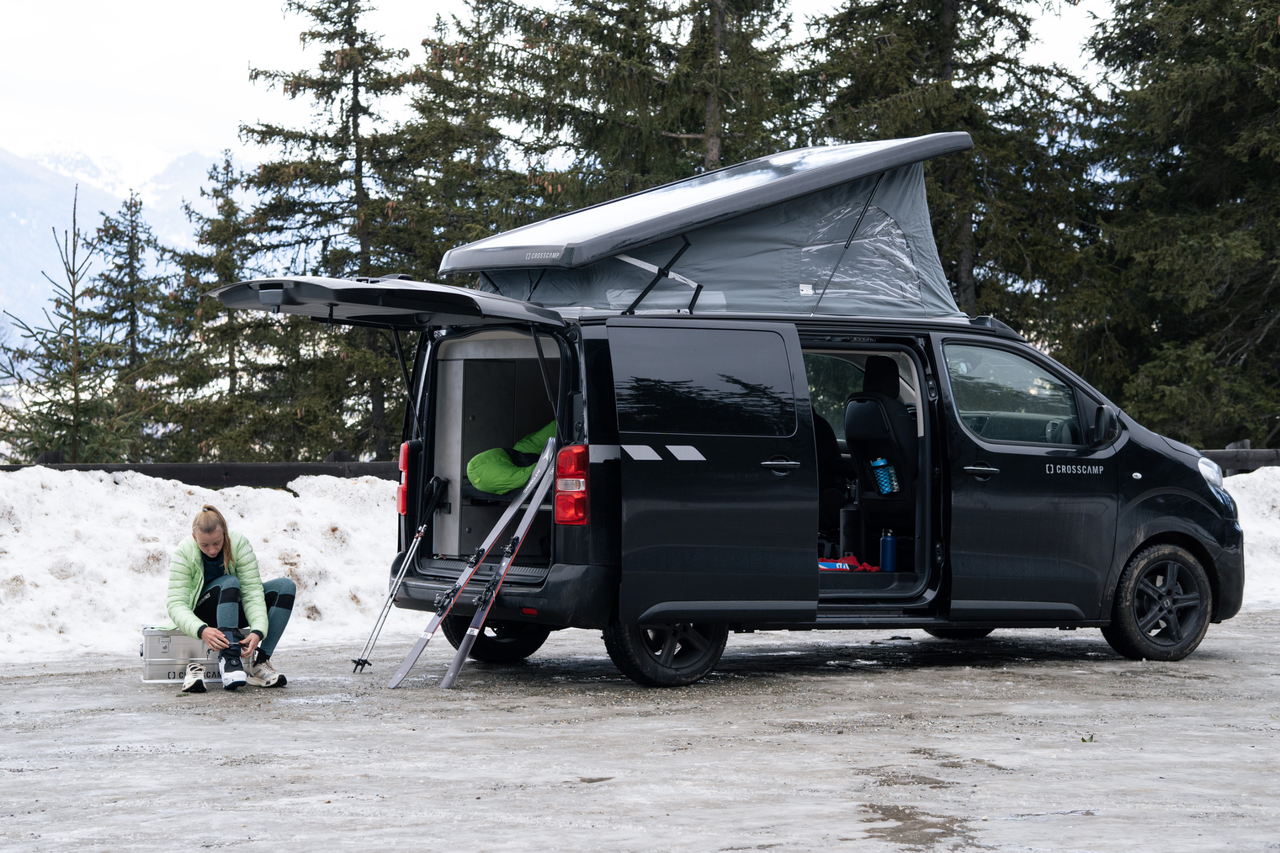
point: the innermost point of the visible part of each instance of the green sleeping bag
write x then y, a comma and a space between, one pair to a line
500, 470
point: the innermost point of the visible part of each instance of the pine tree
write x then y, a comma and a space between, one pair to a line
59, 387
124, 300
247, 386
1009, 215
636, 93
321, 200
453, 175
1187, 331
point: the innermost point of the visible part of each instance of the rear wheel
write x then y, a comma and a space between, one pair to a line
666, 655
1162, 605
958, 633
498, 642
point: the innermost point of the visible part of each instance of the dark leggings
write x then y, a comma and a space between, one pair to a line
219, 606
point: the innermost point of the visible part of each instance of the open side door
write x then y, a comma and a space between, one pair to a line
719, 472
388, 303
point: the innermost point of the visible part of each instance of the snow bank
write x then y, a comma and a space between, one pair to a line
1258, 496
84, 556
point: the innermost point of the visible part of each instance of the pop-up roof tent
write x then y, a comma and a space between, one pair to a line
839, 230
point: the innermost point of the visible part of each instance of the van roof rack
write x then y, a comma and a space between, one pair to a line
986, 321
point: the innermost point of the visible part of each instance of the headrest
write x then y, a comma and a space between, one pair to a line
881, 376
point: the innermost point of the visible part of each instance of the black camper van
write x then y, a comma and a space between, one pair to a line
759, 376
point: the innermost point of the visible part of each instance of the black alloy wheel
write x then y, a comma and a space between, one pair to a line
958, 633
666, 655
1162, 605
498, 641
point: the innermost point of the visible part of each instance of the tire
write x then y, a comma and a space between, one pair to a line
958, 633
499, 642
666, 655
1162, 605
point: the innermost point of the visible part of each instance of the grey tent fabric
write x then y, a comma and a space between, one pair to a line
786, 258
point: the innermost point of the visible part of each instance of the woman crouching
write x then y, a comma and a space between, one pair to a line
214, 592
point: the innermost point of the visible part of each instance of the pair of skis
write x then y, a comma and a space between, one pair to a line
436, 490
534, 491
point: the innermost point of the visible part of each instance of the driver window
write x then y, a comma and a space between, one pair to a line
1004, 397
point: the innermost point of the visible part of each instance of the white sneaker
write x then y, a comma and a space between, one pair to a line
194, 682
262, 673
232, 671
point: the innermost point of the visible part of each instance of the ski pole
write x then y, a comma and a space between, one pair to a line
446, 600
438, 487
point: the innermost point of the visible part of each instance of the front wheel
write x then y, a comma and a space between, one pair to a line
498, 641
666, 655
1162, 605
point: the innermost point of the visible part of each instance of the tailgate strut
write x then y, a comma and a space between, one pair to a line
404, 371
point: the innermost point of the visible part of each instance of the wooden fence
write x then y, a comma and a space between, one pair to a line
272, 475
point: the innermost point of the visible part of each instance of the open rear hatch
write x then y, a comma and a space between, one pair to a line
402, 306
387, 303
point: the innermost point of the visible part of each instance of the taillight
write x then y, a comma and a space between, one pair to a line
571, 484
402, 493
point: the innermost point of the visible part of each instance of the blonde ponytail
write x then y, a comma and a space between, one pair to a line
207, 520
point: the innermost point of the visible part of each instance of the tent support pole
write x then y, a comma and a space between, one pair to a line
847, 243
661, 274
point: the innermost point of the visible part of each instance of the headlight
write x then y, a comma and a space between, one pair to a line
1210, 471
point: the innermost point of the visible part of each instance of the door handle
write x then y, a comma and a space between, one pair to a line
780, 465
981, 471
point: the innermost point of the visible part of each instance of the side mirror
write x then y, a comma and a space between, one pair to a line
1106, 426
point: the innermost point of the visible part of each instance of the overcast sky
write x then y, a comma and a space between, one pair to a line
141, 82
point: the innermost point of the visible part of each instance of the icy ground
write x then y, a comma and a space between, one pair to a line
84, 556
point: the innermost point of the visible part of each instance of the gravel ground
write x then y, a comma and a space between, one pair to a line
1029, 740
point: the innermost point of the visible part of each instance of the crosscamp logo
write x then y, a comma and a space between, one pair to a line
1072, 469
541, 256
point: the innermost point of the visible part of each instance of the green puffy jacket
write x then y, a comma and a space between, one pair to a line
493, 471
186, 579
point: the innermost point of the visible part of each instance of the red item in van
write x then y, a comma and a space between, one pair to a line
846, 564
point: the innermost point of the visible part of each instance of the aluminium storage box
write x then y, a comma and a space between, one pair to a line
165, 655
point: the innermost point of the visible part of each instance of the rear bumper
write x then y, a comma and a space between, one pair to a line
571, 596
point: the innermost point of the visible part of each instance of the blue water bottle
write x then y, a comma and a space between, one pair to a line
888, 552
886, 478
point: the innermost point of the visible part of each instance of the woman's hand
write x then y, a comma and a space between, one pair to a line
214, 639
250, 643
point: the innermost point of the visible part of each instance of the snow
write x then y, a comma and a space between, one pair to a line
1258, 498
84, 556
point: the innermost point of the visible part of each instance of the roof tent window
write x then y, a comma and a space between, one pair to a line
877, 267
702, 381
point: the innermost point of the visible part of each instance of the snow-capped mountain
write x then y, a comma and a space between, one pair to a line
36, 196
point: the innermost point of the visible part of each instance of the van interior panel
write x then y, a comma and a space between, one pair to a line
490, 393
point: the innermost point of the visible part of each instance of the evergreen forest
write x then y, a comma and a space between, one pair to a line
1129, 226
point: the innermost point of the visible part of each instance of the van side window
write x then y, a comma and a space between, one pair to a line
1004, 397
831, 381
702, 381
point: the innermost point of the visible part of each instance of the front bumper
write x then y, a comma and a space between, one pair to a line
1230, 565
570, 596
